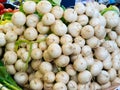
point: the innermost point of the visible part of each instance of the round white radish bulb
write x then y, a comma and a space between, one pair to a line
79, 8
18, 19
59, 86
42, 29
84, 77
30, 33
21, 78
29, 7
57, 11
82, 19
44, 7
32, 20
54, 50
59, 28
70, 15
103, 77
2, 39
10, 57
87, 31
48, 19
74, 29
36, 84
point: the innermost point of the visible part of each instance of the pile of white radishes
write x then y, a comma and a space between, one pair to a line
72, 49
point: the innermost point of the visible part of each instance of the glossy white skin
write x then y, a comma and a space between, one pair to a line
79, 40
59, 28
118, 40
95, 86
49, 77
113, 74
79, 8
20, 51
112, 19
101, 53
57, 11
36, 84
74, 29
18, 19
52, 38
11, 69
44, 7
48, 86
45, 67
7, 27
72, 85
47, 57
110, 45
103, 77
84, 86
82, 19
100, 32
117, 29
70, 70
77, 49
42, 29
32, 20
48, 19
42, 46
18, 30
86, 50
80, 64
67, 48
21, 78
11, 36
87, 31
62, 61
20, 65
96, 68
30, 33
107, 63
2, 39
10, 57
90, 60
107, 85
66, 39
54, 50
35, 64
70, 15
29, 7
62, 76
59, 86
93, 42
112, 35
94, 21
24, 56
36, 53
84, 77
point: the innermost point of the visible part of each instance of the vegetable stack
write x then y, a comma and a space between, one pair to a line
48, 47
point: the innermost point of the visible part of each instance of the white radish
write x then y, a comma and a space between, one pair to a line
44, 7
29, 7
57, 11
18, 19
32, 20
70, 15
84, 77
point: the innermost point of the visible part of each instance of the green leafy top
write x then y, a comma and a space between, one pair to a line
110, 8
6, 79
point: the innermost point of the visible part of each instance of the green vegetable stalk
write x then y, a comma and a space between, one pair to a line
6, 81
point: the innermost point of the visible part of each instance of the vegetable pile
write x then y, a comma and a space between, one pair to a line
52, 48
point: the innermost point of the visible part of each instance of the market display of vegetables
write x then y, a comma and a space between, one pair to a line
45, 46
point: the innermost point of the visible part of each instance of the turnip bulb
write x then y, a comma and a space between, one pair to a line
44, 7
18, 19
29, 7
